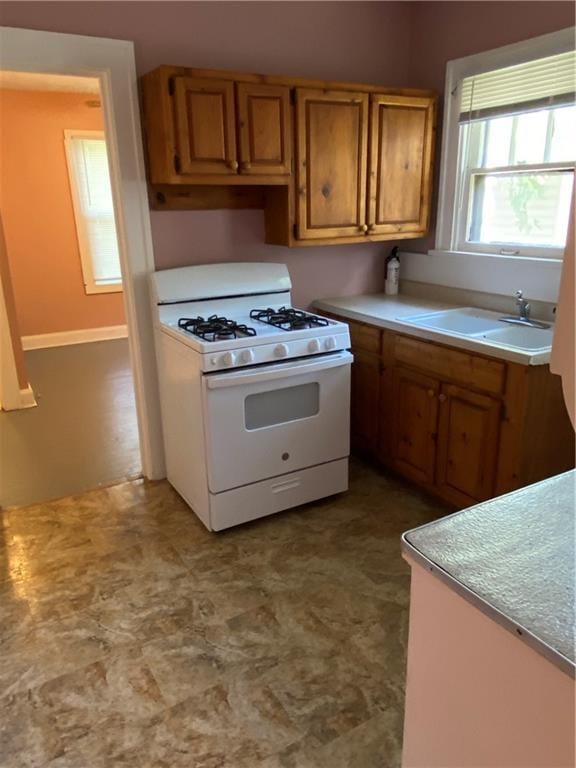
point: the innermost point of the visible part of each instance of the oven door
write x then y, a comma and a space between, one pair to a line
270, 420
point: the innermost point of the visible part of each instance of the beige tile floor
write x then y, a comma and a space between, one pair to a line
132, 637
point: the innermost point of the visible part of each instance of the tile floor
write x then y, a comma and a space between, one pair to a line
130, 637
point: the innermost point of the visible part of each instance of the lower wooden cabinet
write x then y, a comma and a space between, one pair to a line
444, 435
463, 426
468, 434
366, 379
414, 424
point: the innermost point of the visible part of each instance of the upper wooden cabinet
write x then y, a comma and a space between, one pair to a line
264, 129
401, 132
205, 126
329, 162
345, 139
332, 141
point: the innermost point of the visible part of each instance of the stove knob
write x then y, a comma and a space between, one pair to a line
280, 350
246, 356
330, 343
314, 346
228, 359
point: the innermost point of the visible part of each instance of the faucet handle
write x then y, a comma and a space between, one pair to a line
519, 294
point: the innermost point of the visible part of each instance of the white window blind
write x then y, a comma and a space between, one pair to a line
538, 84
93, 207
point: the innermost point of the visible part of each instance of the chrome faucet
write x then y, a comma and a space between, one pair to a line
523, 306
523, 316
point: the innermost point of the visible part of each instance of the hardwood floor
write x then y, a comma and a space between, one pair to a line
83, 433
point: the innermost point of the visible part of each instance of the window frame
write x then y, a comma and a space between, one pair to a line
463, 215
91, 286
450, 223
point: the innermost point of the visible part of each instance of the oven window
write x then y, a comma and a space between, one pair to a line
279, 406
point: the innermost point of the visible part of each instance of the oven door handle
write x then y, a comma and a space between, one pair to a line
278, 371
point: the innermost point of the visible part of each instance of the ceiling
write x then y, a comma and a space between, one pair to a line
30, 81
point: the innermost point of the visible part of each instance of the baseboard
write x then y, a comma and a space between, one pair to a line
24, 399
27, 399
65, 338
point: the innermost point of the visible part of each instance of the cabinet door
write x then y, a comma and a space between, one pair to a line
365, 402
332, 141
265, 142
467, 445
205, 126
414, 422
401, 133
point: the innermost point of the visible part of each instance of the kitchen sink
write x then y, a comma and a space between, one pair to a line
484, 326
521, 337
466, 321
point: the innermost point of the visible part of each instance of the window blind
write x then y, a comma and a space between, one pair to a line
533, 85
95, 197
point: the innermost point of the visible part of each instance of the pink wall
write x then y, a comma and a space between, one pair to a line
441, 31
392, 43
361, 41
38, 216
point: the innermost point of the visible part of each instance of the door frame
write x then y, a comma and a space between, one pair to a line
15, 392
113, 63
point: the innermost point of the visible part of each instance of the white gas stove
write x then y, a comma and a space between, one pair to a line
255, 394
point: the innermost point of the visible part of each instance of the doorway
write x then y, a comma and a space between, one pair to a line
64, 266
112, 63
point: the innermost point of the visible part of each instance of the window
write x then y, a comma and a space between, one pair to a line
513, 135
93, 210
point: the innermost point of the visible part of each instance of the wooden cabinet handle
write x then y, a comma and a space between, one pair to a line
442, 398
364, 228
430, 393
233, 164
245, 166
370, 227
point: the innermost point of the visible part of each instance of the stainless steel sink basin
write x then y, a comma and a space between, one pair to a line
484, 326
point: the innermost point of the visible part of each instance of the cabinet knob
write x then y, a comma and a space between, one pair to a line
371, 227
245, 166
430, 393
364, 228
233, 164
442, 398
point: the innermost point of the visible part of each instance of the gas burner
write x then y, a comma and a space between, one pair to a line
215, 328
288, 319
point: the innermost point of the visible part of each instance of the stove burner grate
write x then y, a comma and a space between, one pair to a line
288, 319
215, 328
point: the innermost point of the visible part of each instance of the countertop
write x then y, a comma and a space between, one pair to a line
389, 312
512, 557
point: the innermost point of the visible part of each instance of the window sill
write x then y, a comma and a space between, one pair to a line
95, 288
501, 257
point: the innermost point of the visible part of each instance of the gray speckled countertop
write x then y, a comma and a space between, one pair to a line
513, 557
